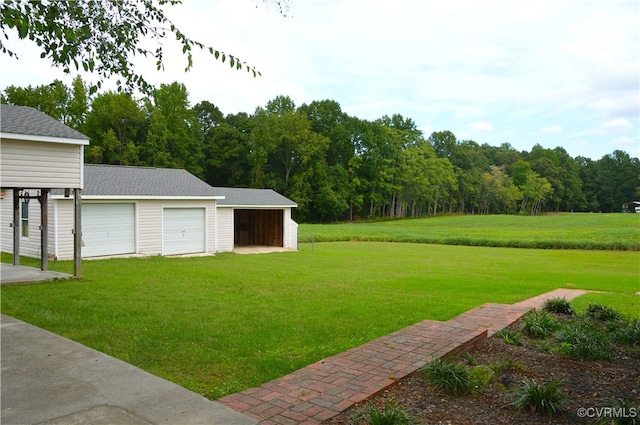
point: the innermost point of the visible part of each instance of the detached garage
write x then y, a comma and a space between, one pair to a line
124, 210
134, 211
161, 211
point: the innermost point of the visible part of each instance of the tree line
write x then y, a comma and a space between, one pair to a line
335, 166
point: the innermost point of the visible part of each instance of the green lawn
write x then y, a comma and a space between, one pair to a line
573, 231
218, 325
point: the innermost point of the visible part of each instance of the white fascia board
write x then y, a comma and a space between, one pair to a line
255, 207
134, 198
47, 139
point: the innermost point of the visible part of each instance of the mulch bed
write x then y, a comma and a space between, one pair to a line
587, 385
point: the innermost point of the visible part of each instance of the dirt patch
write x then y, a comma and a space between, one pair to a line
588, 387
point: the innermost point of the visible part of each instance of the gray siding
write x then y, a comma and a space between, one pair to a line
225, 229
27, 164
29, 247
61, 229
290, 231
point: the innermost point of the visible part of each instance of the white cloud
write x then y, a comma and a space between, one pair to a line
615, 125
552, 129
481, 126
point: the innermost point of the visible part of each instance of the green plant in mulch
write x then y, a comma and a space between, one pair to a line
449, 376
628, 335
603, 313
559, 306
508, 363
391, 414
583, 340
538, 323
510, 336
481, 377
543, 398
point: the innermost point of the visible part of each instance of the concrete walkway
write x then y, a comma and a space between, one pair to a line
330, 386
48, 379
10, 274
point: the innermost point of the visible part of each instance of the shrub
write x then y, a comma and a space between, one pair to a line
559, 306
538, 323
510, 336
584, 341
390, 414
629, 334
603, 313
508, 363
539, 397
481, 376
449, 376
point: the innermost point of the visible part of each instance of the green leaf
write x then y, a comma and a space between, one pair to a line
23, 29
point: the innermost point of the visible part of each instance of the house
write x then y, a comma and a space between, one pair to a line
161, 211
37, 154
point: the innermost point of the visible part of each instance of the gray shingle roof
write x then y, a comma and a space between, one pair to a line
29, 121
255, 197
118, 180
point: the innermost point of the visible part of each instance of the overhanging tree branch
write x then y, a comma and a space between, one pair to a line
103, 36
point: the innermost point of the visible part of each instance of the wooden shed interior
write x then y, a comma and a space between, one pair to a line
256, 227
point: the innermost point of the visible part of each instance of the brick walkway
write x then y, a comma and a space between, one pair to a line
326, 388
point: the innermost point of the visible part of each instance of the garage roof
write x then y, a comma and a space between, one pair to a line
27, 121
120, 181
252, 197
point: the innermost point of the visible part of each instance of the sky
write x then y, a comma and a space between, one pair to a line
550, 72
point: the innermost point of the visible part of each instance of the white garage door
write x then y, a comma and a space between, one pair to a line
108, 229
183, 231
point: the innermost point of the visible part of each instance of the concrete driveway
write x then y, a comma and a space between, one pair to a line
48, 379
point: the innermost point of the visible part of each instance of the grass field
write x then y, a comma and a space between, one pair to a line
218, 325
562, 231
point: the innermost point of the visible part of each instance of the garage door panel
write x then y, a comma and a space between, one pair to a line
183, 231
108, 229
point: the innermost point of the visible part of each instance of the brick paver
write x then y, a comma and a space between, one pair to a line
326, 388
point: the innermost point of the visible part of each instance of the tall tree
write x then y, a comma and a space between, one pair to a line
69, 105
617, 179
535, 191
326, 118
443, 142
173, 129
115, 126
225, 145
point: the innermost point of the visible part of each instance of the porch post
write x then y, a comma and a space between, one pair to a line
77, 233
44, 229
16, 226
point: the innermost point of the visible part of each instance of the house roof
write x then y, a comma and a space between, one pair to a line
118, 181
252, 197
27, 121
